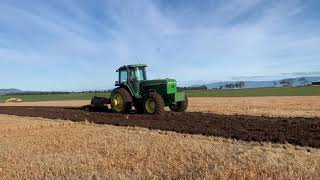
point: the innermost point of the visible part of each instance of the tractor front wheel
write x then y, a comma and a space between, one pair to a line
154, 104
180, 106
121, 100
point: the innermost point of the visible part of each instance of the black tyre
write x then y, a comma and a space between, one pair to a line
180, 106
121, 100
153, 104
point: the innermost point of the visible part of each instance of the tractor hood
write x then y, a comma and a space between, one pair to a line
158, 81
169, 84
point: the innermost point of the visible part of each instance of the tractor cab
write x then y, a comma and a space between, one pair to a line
131, 76
132, 73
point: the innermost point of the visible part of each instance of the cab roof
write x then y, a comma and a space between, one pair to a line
132, 66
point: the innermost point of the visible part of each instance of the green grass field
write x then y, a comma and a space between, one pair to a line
296, 91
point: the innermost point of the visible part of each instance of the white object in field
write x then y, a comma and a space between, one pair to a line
13, 100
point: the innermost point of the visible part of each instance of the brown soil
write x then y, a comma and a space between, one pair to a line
279, 106
297, 131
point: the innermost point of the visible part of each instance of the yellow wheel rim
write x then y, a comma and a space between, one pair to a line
150, 106
118, 102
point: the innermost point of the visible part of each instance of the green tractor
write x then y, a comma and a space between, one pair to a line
146, 96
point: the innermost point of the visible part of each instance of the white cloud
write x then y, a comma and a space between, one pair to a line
238, 38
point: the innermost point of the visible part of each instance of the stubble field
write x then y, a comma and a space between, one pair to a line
36, 148
188, 146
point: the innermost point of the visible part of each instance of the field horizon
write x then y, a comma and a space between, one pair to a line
252, 92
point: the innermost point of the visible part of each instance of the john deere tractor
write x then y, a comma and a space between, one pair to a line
146, 96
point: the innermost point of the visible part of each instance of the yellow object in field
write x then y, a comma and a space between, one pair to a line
13, 100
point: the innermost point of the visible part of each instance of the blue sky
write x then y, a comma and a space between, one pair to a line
78, 44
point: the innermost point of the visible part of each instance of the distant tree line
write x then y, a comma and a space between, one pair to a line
94, 92
303, 81
240, 84
203, 87
290, 82
39, 93
287, 82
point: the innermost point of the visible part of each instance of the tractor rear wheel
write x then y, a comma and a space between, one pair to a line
154, 104
180, 106
121, 100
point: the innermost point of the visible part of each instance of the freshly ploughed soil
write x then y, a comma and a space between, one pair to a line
298, 131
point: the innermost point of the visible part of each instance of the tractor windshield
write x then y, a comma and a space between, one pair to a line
132, 74
140, 74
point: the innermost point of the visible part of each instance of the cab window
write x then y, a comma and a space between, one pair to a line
140, 74
123, 76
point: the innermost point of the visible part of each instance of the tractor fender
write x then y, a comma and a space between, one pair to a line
146, 93
126, 88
